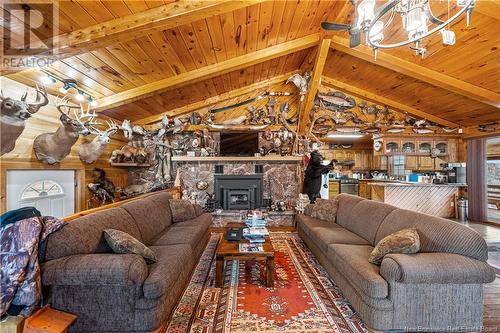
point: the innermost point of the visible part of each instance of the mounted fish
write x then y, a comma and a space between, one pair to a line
90, 151
423, 130
51, 148
348, 129
489, 127
335, 101
13, 117
450, 130
394, 130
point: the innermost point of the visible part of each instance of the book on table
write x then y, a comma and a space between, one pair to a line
248, 248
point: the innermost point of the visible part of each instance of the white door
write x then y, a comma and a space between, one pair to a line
52, 192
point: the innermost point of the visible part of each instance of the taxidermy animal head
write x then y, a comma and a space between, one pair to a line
51, 148
301, 82
90, 151
13, 116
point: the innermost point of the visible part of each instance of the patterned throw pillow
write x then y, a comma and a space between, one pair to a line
182, 210
402, 241
121, 242
325, 209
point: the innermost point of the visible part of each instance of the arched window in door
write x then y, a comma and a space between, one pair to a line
41, 189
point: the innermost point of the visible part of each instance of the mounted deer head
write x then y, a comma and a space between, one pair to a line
13, 116
51, 148
90, 151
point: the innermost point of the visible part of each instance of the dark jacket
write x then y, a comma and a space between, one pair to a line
314, 170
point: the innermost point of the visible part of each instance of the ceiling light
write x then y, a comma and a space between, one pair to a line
92, 101
336, 135
68, 84
63, 89
47, 79
80, 97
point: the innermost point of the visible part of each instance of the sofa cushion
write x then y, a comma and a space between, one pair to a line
122, 243
173, 260
204, 220
402, 241
325, 209
346, 202
182, 235
182, 210
151, 214
307, 223
326, 236
436, 234
365, 277
366, 217
84, 234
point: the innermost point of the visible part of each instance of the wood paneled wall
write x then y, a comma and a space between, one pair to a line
44, 121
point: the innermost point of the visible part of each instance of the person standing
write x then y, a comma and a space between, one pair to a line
312, 176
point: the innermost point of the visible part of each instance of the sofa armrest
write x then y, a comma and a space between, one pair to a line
95, 269
436, 267
198, 210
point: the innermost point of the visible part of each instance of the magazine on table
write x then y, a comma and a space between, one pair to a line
246, 248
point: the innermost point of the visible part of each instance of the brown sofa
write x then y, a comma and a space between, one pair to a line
120, 292
436, 289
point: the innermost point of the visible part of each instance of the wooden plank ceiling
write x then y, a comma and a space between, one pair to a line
256, 41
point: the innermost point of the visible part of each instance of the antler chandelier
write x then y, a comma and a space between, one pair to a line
417, 18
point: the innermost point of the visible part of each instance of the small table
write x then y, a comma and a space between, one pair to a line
227, 250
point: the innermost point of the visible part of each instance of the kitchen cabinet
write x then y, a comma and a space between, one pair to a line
380, 162
424, 147
362, 160
408, 146
411, 162
425, 163
392, 146
365, 189
334, 189
442, 146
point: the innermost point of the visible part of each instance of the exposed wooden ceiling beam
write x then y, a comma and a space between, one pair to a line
140, 24
347, 88
253, 88
207, 72
319, 65
473, 132
418, 72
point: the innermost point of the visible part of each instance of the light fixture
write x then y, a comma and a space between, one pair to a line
337, 135
92, 101
47, 79
80, 97
416, 18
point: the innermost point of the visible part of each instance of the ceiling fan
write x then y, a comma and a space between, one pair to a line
353, 29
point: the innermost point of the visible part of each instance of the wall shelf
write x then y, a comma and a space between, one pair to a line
269, 158
130, 165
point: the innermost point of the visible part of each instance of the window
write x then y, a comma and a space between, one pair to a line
398, 165
42, 188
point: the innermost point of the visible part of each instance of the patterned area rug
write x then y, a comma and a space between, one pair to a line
304, 298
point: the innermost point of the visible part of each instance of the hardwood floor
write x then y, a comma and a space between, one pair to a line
491, 309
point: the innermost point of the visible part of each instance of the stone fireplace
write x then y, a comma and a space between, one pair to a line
235, 192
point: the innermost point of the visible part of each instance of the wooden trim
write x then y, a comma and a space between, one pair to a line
215, 99
207, 72
473, 132
383, 100
418, 72
174, 190
236, 158
141, 24
319, 65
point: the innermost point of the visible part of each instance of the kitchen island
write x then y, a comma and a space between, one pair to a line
432, 199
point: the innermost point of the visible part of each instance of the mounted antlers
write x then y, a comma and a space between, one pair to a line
51, 148
90, 151
13, 116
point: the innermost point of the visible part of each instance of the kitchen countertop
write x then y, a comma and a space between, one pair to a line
409, 184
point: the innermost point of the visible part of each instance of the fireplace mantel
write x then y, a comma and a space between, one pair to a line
268, 158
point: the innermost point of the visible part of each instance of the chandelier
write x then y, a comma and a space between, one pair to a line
417, 21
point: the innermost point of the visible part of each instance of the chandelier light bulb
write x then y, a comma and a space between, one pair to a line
414, 19
377, 32
366, 12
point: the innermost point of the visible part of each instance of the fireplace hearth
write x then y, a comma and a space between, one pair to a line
236, 192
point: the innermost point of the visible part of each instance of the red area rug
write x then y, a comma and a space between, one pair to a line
304, 298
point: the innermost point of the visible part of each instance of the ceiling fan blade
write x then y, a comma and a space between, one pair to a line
355, 39
335, 26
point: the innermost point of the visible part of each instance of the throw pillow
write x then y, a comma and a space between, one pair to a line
182, 210
198, 210
121, 242
402, 241
325, 209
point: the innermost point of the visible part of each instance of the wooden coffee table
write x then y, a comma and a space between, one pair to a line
227, 250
